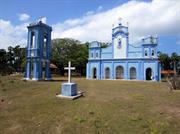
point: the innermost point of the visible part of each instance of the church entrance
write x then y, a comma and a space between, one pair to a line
148, 74
132, 73
94, 71
119, 72
107, 73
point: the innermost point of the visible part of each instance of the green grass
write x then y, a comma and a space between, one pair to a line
127, 107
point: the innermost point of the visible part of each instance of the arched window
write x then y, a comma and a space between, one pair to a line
94, 73
32, 40
96, 54
149, 74
91, 55
132, 73
119, 72
107, 73
145, 52
45, 47
152, 52
119, 43
31, 69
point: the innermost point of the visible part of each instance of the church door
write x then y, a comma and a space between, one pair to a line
132, 73
94, 73
119, 72
148, 74
107, 73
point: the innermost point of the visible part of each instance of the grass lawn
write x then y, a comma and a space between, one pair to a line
127, 107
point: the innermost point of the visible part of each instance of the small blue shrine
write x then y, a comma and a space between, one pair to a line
121, 60
38, 52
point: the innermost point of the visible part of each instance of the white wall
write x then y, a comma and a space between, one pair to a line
120, 52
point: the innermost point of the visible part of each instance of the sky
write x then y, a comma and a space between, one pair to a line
90, 20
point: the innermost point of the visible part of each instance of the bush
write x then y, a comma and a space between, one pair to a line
174, 83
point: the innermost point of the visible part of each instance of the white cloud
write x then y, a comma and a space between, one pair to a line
145, 18
90, 13
12, 35
157, 17
23, 17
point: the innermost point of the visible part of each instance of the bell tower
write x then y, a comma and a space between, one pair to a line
120, 41
38, 52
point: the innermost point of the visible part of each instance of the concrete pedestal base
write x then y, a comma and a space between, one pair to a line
79, 94
69, 91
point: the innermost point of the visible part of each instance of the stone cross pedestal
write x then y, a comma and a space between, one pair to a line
69, 89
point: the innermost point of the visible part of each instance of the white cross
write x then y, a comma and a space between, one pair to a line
69, 68
119, 19
40, 18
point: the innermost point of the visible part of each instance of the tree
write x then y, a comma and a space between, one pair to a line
3, 61
174, 61
19, 58
64, 50
165, 60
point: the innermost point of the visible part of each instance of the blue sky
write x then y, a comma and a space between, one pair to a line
89, 20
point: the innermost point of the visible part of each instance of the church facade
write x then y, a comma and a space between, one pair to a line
121, 60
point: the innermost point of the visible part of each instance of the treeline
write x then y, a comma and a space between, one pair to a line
12, 60
171, 62
64, 50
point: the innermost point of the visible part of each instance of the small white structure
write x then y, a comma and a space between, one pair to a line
69, 89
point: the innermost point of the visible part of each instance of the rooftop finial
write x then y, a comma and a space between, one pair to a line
40, 19
127, 23
119, 20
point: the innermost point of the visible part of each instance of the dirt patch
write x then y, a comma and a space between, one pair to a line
14, 128
173, 111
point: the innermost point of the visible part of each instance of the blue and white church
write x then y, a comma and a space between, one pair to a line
121, 60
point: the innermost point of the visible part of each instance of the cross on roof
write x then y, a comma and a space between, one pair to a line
69, 68
119, 19
40, 18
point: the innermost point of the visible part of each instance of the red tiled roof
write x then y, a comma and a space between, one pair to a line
53, 66
167, 72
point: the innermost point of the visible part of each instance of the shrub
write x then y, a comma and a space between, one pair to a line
174, 83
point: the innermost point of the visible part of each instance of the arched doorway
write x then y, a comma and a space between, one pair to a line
119, 72
148, 74
94, 73
107, 73
31, 69
132, 73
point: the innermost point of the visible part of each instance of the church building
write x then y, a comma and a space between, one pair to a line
121, 60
